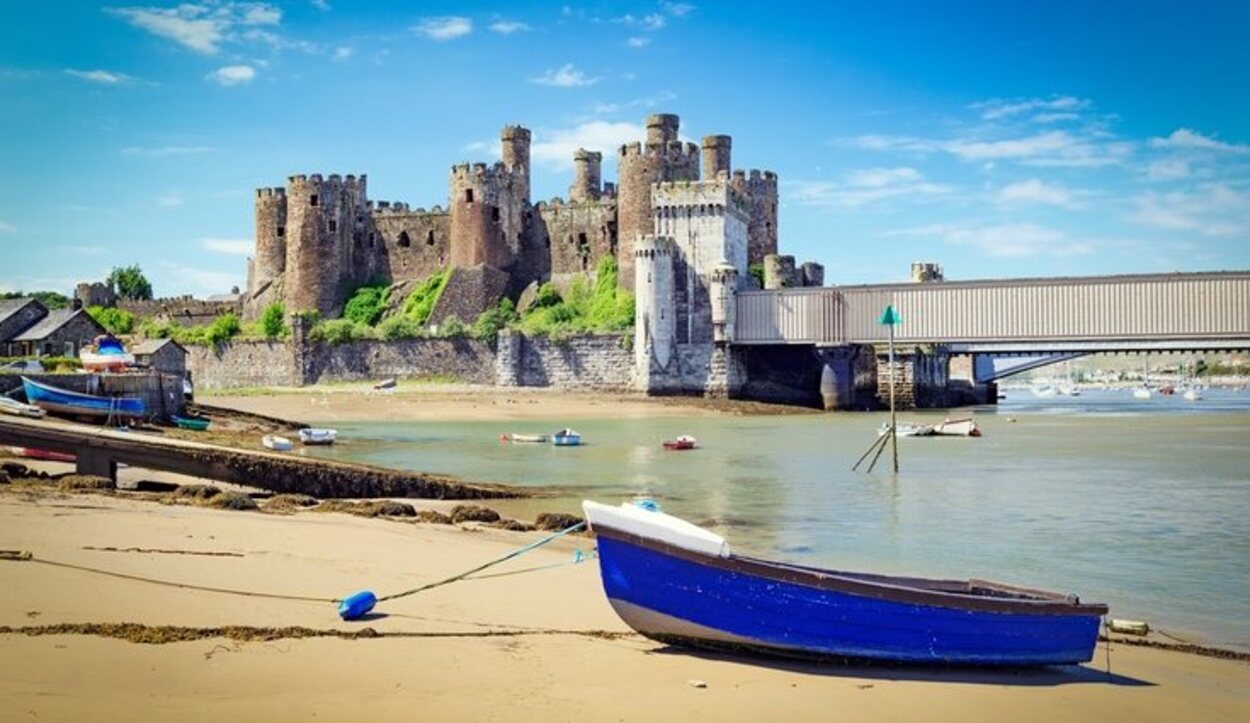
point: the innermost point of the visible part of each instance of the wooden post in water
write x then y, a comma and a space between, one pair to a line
891, 319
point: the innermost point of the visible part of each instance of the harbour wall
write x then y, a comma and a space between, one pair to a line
592, 363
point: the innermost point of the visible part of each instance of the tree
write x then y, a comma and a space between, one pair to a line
130, 283
272, 321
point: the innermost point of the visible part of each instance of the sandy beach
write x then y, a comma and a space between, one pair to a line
536, 644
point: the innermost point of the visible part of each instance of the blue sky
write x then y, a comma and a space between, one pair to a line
998, 139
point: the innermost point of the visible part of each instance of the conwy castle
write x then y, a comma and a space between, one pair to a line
683, 241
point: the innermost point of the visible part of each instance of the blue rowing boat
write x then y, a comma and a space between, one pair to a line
63, 401
678, 583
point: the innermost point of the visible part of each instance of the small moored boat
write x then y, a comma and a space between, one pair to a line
385, 384
965, 427
106, 354
683, 442
63, 401
906, 429
315, 436
197, 424
681, 584
277, 443
17, 409
525, 438
567, 438
1192, 394
1142, 393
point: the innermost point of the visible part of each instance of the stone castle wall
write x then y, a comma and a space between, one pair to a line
577, 236
590, 362
184, 310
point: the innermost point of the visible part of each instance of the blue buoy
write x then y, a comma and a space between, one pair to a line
354, 606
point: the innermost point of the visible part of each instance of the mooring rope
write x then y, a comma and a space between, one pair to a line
25, 556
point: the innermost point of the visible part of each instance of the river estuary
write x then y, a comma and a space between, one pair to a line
1144, 504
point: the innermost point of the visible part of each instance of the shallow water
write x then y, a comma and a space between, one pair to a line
1141, 504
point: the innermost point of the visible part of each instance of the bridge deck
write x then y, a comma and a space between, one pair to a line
1182, 309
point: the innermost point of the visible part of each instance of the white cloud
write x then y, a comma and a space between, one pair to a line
1168, 169
343, 52
998, 109
637, 42
448, 27
231, 246
879, 177
161, 151
202, 27
566, 76
320, 4
1214, 209
508, 27
103, 77
1185, 139
1003, 240
1052, 148
1037, 191
7, 227
232, 75
650, 101
651, 21
677, 10
863, 187
185, 25
554, 148
169, 199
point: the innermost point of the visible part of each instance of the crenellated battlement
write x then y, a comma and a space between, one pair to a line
672, 151
650, 246
274, 192
715, 193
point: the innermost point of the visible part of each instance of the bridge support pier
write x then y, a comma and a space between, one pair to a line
848, 377
963, 389
96, 462
921, 377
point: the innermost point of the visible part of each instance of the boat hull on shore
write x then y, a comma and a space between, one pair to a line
63, 401
680, 586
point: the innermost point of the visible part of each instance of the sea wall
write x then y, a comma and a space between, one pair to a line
242, 364
588, 362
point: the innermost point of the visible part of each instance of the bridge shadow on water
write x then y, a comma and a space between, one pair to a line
1044, 676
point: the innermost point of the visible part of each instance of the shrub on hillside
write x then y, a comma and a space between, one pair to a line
272, 321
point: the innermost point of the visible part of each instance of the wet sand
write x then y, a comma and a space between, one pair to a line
537, 645
428, 402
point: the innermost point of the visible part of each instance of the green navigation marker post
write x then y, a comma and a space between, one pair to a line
890, 319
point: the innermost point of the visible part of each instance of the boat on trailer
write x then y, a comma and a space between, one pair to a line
105, 354
63, 401
678, 583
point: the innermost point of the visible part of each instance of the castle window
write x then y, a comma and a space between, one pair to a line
372, 240
429, 238
404, 241
494, 213
468, 195
281, 231
312, 200
334, 225
581, 239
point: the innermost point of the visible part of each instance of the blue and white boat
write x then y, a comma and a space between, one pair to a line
567, 438
63, 401
678, 583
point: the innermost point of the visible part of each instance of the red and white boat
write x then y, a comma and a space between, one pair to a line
683, 442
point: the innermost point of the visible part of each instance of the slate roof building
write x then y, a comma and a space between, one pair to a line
28, 328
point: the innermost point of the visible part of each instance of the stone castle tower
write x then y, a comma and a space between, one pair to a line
318, 238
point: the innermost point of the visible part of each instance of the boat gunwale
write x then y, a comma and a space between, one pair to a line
899, 589
97, 408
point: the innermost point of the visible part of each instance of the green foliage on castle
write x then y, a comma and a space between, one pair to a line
116, 321
601, 309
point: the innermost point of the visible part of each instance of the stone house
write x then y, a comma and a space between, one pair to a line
55, 333
16, 316
163, 355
